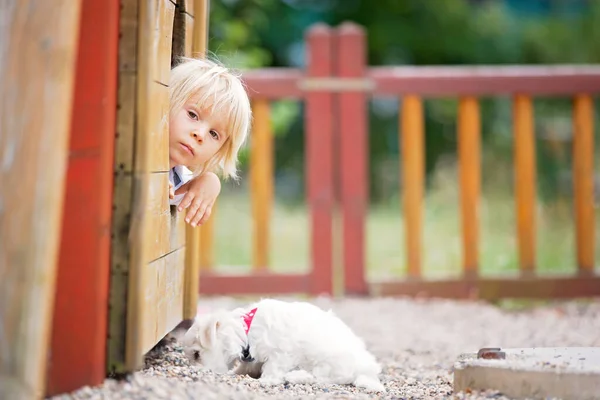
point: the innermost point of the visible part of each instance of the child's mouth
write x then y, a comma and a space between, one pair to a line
187, 148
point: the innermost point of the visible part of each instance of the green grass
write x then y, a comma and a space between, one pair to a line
442, 242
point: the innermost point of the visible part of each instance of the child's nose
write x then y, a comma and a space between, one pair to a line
198, 135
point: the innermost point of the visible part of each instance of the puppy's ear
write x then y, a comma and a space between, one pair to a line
210, 333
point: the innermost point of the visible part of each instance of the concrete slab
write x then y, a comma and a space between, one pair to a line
532, 373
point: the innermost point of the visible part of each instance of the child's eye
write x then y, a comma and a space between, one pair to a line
193, 115
214, 134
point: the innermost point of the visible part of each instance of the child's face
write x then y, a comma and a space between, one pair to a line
195, 135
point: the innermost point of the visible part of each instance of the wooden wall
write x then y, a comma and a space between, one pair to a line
148, 267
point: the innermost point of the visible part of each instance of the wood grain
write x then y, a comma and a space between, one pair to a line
525, 178
146, 229
261, 183
583, 181
469, 151
163, 297
38, 44
412, 138
193, 235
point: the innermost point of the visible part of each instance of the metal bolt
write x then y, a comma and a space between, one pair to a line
491, 353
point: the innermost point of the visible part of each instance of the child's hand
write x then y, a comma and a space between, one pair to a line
171, 192
200, 195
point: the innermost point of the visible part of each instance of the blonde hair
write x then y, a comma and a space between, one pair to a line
217, 88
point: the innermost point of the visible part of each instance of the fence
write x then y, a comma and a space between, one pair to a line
335, 87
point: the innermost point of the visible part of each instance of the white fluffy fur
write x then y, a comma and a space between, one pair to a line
295, 342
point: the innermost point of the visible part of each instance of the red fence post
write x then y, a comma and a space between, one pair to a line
79, 326
354, 147
319, 158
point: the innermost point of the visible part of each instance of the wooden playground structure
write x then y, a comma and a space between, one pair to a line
97, 268
92, 211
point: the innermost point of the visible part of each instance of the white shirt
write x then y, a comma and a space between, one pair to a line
178, 176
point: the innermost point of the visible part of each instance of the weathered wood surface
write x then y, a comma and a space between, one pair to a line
38, 43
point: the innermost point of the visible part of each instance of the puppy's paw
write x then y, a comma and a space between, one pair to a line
370, 384
299, 376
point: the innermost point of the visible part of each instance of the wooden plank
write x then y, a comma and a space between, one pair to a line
119, 272
158, 215
583, 181
262, 283
176, 230
179, 32
525, 177
125, 138
189, 35
412, 139
140, 238
261, 183
163, 297
187, 6
39, 48
274, 83
550, 288
161, 52
479, 81
78, 356
194, 242
125, 122
206, 236
201, 19
442, 81
128, 27
354, 153
319, 134
158, 128
123, 185
469, 151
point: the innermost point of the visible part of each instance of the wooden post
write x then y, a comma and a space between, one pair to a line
198, 238
525, 189
37, 72
319, 158
354, 150
412, 138
78, 356
583, 182
261, 178
469, 149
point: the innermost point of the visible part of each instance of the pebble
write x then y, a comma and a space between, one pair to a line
416, 341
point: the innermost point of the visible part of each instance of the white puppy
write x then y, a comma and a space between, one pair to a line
282, 341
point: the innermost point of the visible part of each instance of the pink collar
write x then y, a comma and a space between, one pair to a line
248, 317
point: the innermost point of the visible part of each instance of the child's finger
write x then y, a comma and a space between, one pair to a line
206, 215
192, 211
195, 221
186, 201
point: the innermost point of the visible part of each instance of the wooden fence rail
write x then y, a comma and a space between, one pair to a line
336, 114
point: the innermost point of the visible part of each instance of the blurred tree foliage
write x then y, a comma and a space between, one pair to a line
259, 33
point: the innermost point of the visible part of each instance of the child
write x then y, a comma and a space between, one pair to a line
209, 119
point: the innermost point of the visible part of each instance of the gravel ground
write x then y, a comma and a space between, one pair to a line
416, 341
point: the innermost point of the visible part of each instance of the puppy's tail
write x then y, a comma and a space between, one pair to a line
369, 383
